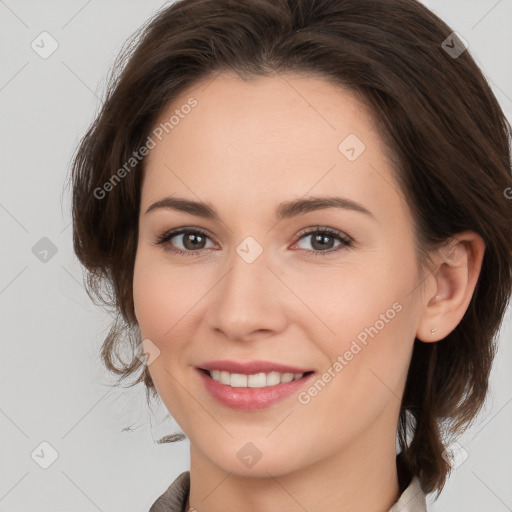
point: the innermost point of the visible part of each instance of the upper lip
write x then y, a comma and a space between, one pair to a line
251, 367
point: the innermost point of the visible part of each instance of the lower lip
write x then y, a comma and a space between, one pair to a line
252, 399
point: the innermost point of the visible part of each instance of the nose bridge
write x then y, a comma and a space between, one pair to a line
248, 297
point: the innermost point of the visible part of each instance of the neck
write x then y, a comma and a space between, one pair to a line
359, 478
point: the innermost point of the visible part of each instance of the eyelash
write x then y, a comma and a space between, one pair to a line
347, 242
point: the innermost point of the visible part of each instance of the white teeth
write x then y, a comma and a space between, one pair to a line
238, 380
273, 378
257, 380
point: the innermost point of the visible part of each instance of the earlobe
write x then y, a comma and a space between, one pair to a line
453, 282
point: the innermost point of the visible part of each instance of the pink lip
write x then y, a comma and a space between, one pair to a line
252, 399
251, 367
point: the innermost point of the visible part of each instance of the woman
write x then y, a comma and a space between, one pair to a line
302, 210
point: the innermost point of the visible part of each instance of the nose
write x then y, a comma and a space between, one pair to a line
249, 301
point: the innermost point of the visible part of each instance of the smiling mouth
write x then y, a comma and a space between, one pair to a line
255, 380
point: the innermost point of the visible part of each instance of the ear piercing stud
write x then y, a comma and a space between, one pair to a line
433, 331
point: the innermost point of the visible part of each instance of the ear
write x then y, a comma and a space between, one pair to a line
450, 285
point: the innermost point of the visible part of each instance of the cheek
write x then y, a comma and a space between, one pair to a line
344, 301
161, 310
368, 311
162, 295
372, 332
366, 364
149, 297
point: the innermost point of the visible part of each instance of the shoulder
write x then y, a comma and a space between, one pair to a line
175, 497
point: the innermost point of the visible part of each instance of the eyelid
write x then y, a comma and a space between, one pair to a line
346, 241
167, 235
325, 229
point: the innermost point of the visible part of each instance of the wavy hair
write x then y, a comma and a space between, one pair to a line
435, 112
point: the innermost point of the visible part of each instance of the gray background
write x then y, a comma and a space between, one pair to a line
53, 387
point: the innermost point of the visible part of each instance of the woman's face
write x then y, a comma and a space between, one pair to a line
261, 281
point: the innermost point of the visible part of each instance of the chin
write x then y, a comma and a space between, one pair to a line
251, 461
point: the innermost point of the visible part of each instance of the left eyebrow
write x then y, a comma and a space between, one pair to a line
301, 206
284, 210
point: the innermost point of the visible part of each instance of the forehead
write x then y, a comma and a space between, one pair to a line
269, 137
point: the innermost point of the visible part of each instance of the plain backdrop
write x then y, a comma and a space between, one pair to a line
56, 406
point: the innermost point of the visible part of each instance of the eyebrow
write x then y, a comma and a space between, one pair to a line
284, 210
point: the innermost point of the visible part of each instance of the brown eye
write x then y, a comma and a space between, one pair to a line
322, 240
193, 241
183, 241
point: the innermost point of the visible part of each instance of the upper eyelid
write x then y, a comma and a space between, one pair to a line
313, 229
308, 231
171, 233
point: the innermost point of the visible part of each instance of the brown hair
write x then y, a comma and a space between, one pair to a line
435, 111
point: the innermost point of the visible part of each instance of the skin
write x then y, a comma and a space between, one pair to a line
243, 149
